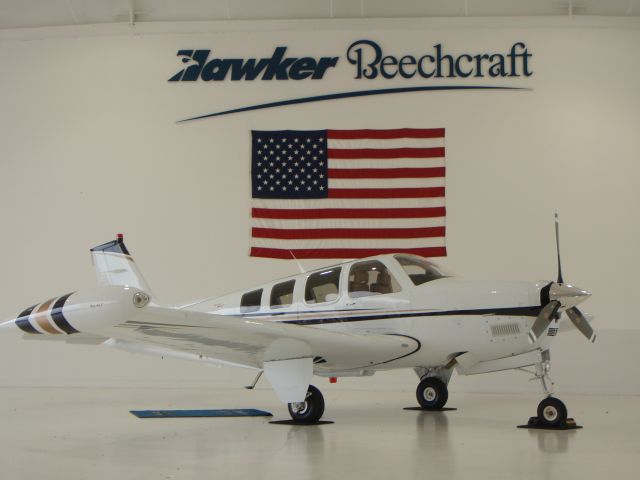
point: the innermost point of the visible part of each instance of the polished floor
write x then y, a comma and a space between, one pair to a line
81, 433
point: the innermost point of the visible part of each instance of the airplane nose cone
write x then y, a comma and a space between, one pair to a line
568, 295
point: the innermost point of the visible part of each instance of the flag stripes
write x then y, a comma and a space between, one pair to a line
386, 173
387, 134
313, 213
309, 233
386, 153
309, 253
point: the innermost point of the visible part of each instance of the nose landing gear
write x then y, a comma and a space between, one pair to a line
552, 412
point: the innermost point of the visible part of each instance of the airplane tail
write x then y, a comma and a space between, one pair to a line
115, 266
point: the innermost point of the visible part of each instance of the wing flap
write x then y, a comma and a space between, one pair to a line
251, 342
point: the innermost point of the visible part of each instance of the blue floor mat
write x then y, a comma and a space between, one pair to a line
235, 412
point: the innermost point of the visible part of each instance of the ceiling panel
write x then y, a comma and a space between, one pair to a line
39, 13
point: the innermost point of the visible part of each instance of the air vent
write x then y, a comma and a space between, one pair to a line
505, 329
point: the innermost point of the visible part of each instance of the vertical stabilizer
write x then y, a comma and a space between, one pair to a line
115, 266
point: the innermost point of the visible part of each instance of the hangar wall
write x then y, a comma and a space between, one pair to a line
89, 146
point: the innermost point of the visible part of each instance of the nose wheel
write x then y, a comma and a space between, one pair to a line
552, 412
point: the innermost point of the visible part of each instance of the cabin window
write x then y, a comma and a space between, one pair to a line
282, 294
250, 301
371, 278
419, 270
323, 286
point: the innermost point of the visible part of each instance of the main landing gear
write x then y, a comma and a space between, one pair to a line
432, 392
309, 411
552, 412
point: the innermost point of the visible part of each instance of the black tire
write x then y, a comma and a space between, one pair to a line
432, 393
311, 410
552, 412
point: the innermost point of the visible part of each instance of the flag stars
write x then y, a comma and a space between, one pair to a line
289, 166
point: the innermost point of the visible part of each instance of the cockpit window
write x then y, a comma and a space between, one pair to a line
419, 270
323, 286
371, 278
250, 301
282, 294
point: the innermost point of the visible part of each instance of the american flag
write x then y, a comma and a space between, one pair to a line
348, 193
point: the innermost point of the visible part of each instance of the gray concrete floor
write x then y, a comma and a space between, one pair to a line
81, 433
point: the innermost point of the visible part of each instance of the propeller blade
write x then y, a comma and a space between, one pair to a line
581, 323
558, 249
545, 316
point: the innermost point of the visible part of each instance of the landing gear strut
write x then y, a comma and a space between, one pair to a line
309, 411
551, 412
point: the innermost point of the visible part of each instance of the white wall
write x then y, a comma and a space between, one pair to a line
89, 147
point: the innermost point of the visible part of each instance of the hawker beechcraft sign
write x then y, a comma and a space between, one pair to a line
367, 60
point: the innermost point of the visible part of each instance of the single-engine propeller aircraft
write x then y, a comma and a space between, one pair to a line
353, 319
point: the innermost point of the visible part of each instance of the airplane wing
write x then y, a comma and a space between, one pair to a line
252, 342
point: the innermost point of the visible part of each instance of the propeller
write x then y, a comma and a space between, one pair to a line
561, 294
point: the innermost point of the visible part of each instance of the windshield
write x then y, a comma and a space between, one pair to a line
419, 270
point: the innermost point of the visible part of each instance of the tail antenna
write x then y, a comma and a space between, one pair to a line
558, 248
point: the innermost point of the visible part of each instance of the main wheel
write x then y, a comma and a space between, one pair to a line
552, 412
432, 393
311, 409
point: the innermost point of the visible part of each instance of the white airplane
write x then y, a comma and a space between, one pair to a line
352, 319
